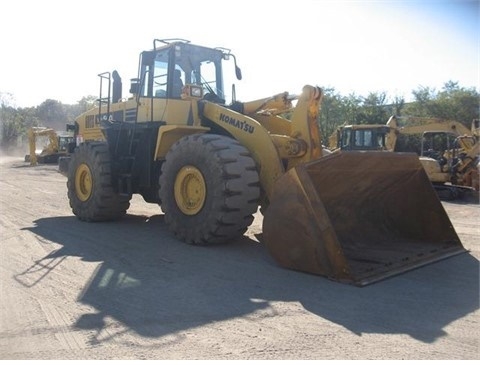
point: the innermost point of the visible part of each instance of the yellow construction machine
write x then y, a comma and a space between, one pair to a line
210, 165
449, 151
378, 137
52, 151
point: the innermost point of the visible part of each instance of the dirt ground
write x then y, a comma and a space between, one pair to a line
130, 290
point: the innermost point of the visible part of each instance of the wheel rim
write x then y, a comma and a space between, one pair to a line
190, 190
83, 182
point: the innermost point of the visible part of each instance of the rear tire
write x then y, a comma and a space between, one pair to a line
209, 189
90, 191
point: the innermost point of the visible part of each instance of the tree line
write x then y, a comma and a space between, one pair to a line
14, 122
452, 102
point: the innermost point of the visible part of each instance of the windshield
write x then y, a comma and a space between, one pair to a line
363, 139
201, 66
165, 71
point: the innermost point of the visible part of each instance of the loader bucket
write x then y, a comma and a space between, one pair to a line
358, 217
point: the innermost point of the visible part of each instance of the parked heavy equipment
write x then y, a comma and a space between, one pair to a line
364, 137
449, 151
210, 164
52, 151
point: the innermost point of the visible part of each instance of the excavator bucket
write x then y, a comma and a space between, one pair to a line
358, 217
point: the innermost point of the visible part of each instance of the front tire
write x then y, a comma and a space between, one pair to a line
90, 190
209, 189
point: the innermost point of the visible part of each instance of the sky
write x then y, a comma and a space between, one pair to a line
54, 49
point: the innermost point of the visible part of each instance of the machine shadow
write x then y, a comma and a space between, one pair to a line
156, 286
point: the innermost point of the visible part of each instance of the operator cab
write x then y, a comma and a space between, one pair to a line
179, 69
438, 145
353, 138
64, 142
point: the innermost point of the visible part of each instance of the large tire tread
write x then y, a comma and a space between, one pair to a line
104, 204
233, 189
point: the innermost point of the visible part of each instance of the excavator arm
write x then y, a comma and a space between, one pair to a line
433, 124
52, 151
51, 148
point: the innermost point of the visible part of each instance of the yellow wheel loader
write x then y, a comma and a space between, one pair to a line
352, 217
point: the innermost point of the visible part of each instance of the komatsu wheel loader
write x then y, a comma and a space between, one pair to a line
352, 217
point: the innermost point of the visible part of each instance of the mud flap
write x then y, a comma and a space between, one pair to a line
358, 217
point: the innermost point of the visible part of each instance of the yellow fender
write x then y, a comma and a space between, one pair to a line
169, 134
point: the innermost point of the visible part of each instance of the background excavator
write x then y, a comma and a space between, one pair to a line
448, 151
56, 147
210, 165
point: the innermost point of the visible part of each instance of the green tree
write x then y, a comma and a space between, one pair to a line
8, 122
458, 103
397, 106
351, 105
376, 108
451, 103
84, 104
52, 114
331, 113
14, 124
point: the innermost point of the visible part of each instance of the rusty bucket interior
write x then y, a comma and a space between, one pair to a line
358, 217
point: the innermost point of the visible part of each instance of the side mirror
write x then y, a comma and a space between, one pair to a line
238, 72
